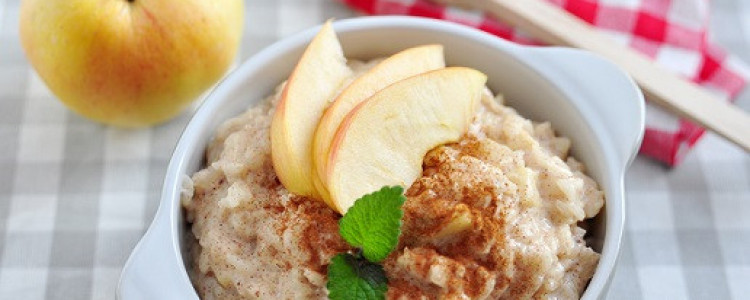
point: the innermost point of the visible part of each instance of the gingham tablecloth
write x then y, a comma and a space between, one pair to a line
75, 196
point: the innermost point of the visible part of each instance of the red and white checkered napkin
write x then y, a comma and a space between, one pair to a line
672, 32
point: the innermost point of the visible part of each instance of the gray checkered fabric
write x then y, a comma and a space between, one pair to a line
75, 196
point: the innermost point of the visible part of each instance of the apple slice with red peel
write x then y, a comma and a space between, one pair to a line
399, 66
384, 139
315, 81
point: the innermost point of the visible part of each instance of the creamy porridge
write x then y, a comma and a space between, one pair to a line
493, 216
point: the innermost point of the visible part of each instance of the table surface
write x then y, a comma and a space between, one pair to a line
75, 196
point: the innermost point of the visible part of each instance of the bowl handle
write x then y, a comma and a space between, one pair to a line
154, 269
618, 104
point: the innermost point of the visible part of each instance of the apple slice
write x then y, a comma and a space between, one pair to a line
315, 80
401, 65
383, 140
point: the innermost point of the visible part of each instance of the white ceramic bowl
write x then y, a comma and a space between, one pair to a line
585, 97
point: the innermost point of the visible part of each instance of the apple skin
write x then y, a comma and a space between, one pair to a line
130, 63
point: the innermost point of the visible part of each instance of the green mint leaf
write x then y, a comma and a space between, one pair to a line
373, 223
350, 277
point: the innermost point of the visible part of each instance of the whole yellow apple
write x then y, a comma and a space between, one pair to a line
130, 63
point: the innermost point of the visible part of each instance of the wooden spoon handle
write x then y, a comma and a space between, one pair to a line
555, 26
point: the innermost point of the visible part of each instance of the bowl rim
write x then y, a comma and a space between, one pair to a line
170, 208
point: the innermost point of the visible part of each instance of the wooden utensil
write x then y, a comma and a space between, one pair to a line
555, 26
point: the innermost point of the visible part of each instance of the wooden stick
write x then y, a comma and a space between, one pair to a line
555, 26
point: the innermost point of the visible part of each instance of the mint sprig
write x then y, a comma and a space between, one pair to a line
350, 277
373, 225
